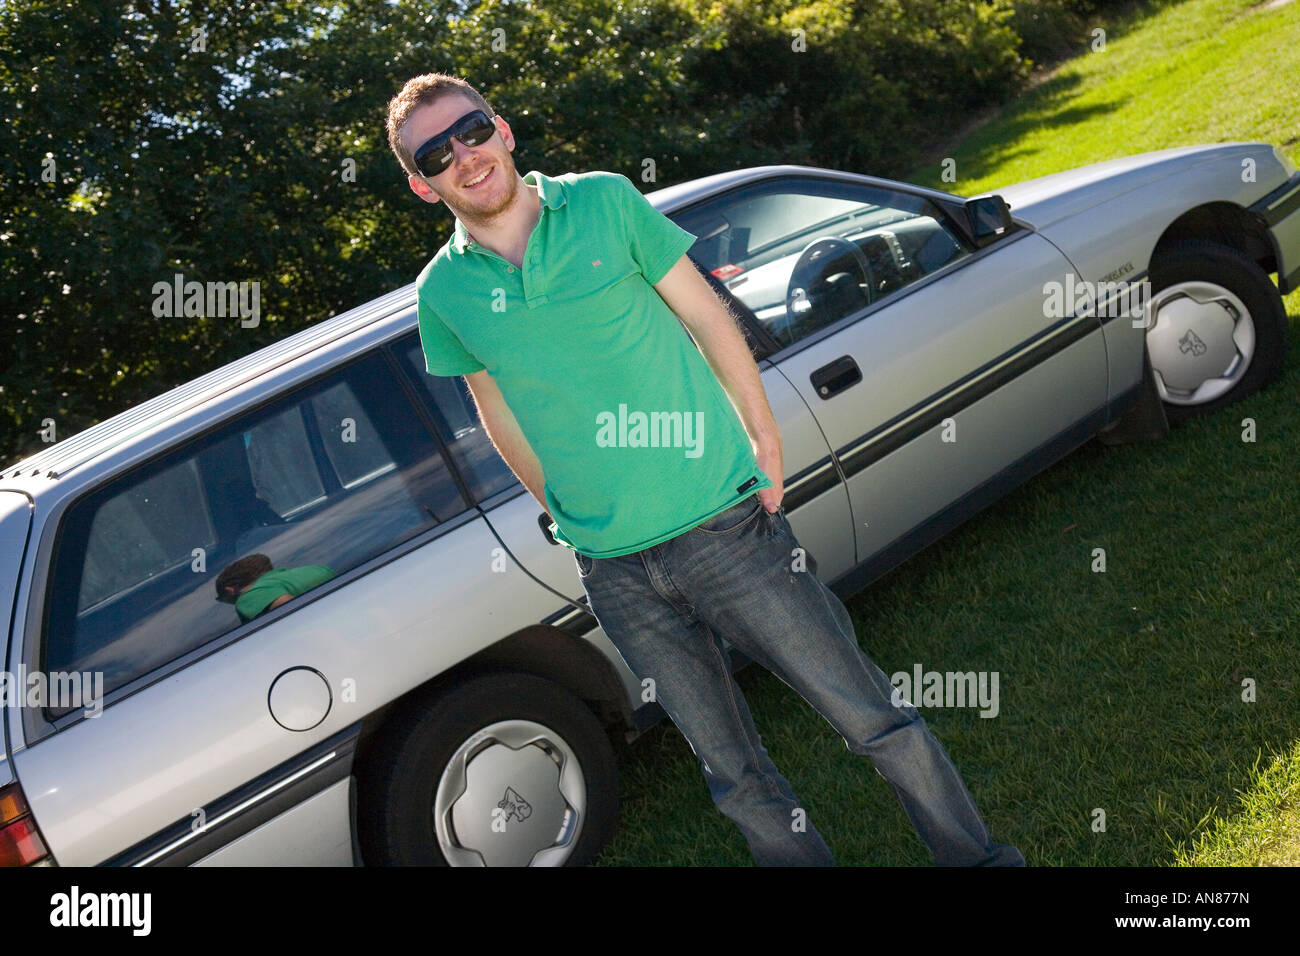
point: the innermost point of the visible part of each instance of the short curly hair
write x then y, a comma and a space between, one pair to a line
241, 574
420, 91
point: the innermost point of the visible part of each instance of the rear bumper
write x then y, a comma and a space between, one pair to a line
1280, 212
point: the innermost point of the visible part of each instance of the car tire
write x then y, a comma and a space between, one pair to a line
1229, 282
472, 739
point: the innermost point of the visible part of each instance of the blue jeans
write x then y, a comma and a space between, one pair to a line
664, 608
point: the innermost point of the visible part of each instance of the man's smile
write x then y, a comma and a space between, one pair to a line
479, 179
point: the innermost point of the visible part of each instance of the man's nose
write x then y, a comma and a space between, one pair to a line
459, 151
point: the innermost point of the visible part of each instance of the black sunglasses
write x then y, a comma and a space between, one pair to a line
435, 154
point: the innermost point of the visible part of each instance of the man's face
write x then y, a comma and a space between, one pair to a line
487, 197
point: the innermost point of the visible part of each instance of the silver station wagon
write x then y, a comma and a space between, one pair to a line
299, 612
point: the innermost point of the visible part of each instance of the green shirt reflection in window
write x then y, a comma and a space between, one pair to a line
254, 586
278, 583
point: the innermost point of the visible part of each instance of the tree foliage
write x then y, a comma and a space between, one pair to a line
244, 141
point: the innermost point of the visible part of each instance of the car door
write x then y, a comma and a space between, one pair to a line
930, 365
221, 739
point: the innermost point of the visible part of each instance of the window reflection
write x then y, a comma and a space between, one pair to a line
274, 504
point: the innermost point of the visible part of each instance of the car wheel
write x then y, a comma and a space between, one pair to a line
1217, 329
505, 769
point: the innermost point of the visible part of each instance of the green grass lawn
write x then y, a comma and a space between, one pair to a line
1120, 691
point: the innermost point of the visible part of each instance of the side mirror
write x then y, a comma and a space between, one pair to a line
989, 217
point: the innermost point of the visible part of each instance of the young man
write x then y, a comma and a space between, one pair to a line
558, 299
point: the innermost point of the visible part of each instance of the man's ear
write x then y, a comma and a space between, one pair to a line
506, 134
422, 189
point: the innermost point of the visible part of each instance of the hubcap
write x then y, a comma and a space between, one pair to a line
1201, 340
511, 795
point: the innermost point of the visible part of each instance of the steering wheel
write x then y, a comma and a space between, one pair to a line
818, 283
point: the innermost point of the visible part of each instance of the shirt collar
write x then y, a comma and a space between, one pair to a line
550, 191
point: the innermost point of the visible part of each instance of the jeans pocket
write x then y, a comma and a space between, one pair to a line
734, 518
585, 563
801, 557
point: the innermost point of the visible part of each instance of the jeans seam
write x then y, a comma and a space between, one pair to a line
689, 613
729, 682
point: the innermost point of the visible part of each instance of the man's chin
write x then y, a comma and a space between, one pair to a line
494, 208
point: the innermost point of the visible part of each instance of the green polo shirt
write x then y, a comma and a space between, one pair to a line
636, 437
277, 583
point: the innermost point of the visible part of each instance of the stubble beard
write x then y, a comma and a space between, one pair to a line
478, 217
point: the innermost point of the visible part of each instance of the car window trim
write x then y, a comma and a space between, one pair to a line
947, 202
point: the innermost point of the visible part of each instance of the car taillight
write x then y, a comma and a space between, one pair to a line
20, 841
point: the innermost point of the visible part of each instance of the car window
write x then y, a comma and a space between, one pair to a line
127, 546
250, 516
451, 407
276, 449
802, 254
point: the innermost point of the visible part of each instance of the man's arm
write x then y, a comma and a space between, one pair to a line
506, 435
714, 329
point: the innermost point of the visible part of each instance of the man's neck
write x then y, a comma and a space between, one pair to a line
507, 233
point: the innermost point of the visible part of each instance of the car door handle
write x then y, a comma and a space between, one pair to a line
836, 377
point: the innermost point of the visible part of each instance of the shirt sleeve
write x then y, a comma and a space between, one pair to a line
655, 241
258, 598
444, 354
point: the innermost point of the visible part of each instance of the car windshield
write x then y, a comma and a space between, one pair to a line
773, 244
